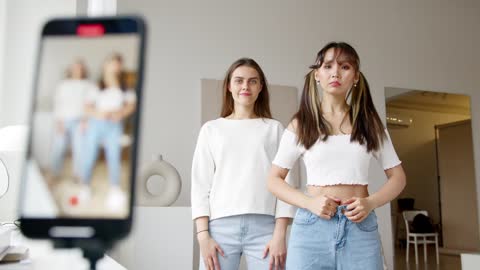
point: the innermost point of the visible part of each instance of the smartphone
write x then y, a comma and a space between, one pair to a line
78, 176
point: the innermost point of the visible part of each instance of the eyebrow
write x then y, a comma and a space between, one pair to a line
338, 61
239, 77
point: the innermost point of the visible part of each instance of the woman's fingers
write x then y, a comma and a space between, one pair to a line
219, 249
205, 263
349, 201
265, 251
325, 216
271, 263
353, 212
357, 218
282, 261
215, 262
210, 263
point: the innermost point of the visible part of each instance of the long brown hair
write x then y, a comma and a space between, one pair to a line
367, 128
262, 104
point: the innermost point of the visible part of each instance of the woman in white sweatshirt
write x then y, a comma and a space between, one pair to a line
69, 115
234, 212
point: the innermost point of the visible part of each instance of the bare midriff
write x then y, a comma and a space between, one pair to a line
343, 192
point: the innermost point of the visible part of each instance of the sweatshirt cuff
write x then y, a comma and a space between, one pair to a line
284, 210
200, 212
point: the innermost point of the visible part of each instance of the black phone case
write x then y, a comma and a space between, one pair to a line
105, 229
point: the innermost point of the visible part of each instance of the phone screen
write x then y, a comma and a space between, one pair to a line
81, 158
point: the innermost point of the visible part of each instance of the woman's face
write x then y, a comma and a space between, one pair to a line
77, 71
245, 85
113, 66
336, 76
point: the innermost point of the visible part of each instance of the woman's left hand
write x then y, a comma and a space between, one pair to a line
278, 252
358, 209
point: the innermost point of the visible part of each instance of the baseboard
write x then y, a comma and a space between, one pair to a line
451, 251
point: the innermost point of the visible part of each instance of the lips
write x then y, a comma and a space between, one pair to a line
245, 94
335, 84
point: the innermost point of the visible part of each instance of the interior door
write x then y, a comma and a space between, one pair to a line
457, 186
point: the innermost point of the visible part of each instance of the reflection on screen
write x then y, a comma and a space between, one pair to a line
82, 128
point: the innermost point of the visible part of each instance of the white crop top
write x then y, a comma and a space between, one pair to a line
336, 160
111, 99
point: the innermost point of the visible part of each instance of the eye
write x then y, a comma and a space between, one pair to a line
327, 66
254, 81
237, 81
346, 67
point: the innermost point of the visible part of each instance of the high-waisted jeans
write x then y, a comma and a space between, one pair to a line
61, 141
107, 134
320, 244
242, 235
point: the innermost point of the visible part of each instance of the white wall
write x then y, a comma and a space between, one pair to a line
22, 20
405, 44
3, 21
56, 59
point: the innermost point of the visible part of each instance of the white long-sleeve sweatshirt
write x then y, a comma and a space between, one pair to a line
230, 167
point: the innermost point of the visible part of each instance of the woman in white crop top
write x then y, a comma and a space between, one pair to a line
234, 212
336, 134
107, 107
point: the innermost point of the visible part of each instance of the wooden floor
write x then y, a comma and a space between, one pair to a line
447, 262
66, 188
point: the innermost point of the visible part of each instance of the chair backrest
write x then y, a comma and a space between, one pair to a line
409, 215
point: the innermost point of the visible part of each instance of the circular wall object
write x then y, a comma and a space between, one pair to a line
159, 184
156, 184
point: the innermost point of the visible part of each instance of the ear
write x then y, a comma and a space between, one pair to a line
357, 77
315, 73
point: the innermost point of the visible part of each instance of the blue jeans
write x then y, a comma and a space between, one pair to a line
107, 134
72, 136
319, 244
242, 235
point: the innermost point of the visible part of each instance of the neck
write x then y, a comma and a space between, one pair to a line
242, 112
111, 82
334, 104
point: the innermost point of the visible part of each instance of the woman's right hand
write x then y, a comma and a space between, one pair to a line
208, 250
324, 206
